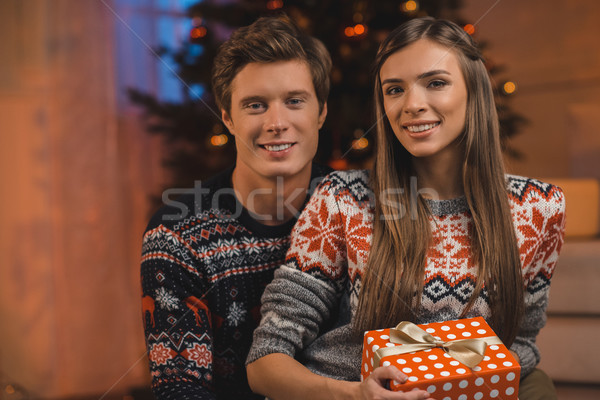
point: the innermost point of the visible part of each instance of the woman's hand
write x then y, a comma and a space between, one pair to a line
374, 386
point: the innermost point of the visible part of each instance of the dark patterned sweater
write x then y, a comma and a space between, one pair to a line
205, 263
308, 307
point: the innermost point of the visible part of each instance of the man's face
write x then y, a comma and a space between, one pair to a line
275, 119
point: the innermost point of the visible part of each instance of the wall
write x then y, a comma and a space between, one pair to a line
75, 175
551, 50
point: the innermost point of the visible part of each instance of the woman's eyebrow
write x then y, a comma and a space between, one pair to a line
421, 76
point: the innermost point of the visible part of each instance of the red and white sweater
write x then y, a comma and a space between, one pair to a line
308, 307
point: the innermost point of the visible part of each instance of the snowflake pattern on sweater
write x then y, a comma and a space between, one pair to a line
329, 250
205, 263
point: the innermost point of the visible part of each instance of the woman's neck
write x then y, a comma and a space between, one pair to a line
439, 177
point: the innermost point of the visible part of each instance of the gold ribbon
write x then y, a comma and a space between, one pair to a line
470, 352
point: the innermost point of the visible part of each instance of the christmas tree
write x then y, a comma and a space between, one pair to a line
198, 143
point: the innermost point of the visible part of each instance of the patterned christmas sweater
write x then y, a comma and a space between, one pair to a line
205, 264
308, 307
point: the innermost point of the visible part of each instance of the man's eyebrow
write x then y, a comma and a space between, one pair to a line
421, 76
300, 92
250, 99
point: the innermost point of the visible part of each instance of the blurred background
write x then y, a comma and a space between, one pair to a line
105, 103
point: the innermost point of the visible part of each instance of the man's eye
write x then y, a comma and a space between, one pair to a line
254, 106
295, 102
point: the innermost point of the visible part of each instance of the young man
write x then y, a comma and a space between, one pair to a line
207, 258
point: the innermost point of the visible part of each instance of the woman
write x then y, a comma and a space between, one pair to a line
439, 232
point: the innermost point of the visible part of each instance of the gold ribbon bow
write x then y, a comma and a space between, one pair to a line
470, 352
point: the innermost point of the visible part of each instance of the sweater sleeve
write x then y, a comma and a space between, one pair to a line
548, 219
176, 317
306, 290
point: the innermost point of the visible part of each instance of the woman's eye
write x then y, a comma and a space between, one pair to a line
393, 90
438, 84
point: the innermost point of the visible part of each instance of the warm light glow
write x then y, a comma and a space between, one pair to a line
9, 389
274, 4
198, 32
509, 87
219, 140
349, 31
357, 17
360, 144
410, 6
359, 29
469, 28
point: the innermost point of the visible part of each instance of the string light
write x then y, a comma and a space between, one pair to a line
469, 28
509, 87
219, 140
356, 30
274, 4
198, 32
410, 6
360, 144
9, 389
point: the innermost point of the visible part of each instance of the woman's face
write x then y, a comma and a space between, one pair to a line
425, 99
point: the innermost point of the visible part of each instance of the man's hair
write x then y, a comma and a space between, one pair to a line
267, 40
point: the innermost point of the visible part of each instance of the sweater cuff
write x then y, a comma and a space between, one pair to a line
529, 356
182, 391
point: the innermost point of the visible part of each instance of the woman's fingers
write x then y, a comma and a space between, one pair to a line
374, 387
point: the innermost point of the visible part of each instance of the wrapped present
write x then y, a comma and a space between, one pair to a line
458, 360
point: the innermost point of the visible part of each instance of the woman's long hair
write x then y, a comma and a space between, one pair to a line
392, 283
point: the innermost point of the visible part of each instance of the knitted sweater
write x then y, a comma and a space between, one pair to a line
308, 307
205, 263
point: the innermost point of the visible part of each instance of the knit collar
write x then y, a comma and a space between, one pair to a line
446, 207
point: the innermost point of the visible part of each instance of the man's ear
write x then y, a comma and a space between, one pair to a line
227, 121
323, 115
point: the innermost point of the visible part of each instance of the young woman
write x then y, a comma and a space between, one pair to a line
437, 232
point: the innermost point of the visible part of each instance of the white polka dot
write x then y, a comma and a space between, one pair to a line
475, 323
507, 364
445, 373
431, 389
494, 393
510, 376
466, 334
370, 339
492, 366
486, 358
390, 345
494, 347
413, 379
429, 330
460, 326
478, 381
417, 359
447, 355
438, 365
423, 367
451, 336
463, 384
445, 328
401, 361
446, 398
379, 330
495, 379
384, 337
481, 331
429, 376
432, 357
407, 370
477, 368
510, 391
461, 370
462, 397
501, 355
386, 363
478, 396
371, 362
454, 363
447, 386
375, 348
436, 338
366, 367
428, 350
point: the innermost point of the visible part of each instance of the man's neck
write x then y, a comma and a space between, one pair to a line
271, 201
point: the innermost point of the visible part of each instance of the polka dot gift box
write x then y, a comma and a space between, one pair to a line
445, 364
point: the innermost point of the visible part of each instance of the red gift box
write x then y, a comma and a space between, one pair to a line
435, 370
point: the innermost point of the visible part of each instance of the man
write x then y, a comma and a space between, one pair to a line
207, 257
